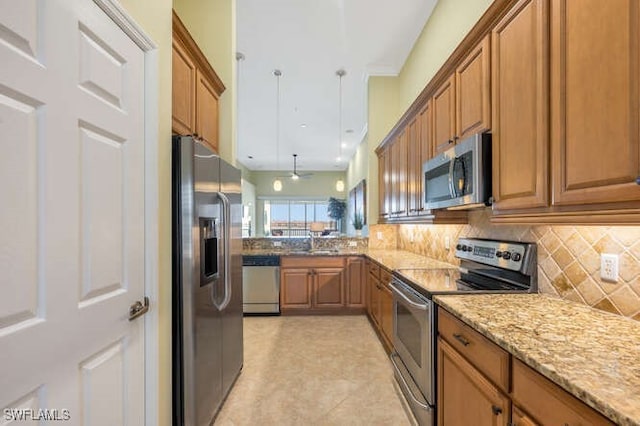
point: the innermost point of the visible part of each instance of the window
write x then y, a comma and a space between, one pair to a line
293, 218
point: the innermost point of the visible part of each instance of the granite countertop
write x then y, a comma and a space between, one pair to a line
401, 259
293, 252
593, 355
390, 259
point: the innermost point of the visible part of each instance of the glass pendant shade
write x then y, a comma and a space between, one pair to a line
277, 185
340, 185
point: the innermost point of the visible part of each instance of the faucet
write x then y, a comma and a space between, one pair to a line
312, 241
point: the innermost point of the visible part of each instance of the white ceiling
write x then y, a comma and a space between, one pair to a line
309, 40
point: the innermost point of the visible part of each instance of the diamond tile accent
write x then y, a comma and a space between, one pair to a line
625, 300
590, 291
568, 256
606, 305
607, 244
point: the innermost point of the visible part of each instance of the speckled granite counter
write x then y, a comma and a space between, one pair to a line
274, 252
401, 259
594, 355
390, 259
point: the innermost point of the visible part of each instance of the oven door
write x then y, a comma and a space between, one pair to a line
413, 336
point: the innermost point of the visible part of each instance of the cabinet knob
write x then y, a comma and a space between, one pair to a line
638, 180
496, 410
450, 141
455, 138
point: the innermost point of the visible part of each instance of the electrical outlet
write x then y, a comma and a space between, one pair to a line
379, 235
277, 243
609, 267
447, 242
353, 244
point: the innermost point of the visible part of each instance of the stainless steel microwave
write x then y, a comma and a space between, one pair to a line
460, 177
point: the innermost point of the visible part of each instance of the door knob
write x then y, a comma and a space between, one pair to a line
138, 309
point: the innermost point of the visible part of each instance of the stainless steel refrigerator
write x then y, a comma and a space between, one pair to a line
207, 281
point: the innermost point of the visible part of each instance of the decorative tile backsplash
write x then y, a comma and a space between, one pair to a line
568, 256
383, 237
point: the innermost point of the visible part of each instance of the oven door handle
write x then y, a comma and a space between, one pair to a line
396, 290
406, 385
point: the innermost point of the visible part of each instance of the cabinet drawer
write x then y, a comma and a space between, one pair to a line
547, 403
486, 356
385, 276
312, 261
374, 269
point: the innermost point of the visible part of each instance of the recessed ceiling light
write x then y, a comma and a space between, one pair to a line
344, 144
250, 157
303, 125
338, 159
349, 131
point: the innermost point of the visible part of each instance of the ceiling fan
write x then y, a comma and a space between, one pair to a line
295, 175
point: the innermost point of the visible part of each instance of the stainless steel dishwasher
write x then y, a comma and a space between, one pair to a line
261, 284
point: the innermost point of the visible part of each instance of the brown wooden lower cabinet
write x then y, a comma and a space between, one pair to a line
380, 303
386, 312
322, 284
473, 380
519, 418
548, 404
328, 287
356, 278
295, 288
373, 308
465, 396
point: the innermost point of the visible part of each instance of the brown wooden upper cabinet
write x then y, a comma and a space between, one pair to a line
419, 151
462, 104
196, 89
399, 175
384, 207
183, 91
520, 107
595, 99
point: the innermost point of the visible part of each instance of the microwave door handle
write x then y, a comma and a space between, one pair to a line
225, 233
452, 190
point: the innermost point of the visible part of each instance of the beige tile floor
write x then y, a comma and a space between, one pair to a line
313, 370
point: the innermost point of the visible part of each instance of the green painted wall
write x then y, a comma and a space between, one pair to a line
211, 23
389, 97
449, 23
154, 16
320, 186
382, 116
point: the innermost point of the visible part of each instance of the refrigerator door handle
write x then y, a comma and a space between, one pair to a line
226, 248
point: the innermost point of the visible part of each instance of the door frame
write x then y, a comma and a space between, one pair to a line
122, 19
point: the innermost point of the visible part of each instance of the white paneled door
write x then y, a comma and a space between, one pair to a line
71, 215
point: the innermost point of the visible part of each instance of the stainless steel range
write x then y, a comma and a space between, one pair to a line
486, 266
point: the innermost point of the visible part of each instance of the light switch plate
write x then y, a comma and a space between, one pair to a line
379, 235
609, 267
353, 244
277, 243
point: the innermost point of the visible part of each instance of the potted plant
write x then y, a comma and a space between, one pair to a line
358, 223
336, 209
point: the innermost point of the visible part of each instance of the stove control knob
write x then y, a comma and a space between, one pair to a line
516, 257
506, 255
498, 254
459, 247
469, 248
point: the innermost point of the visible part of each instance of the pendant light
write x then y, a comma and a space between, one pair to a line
277, 183
340, 73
